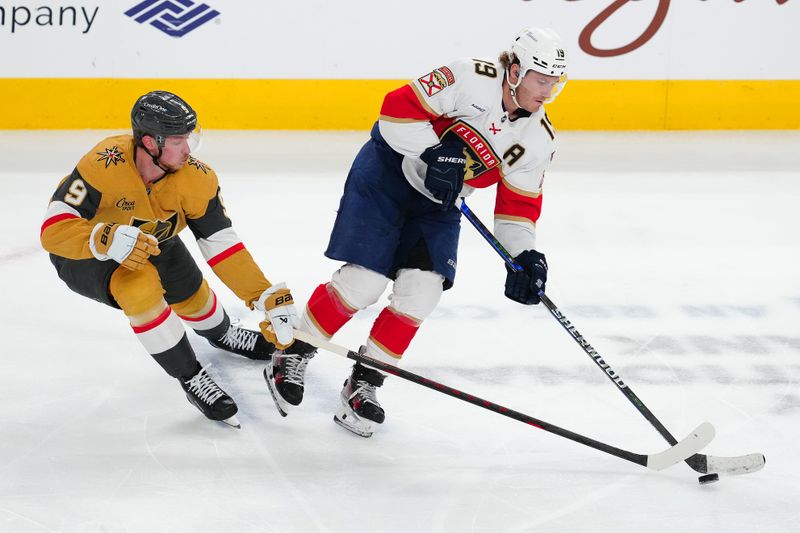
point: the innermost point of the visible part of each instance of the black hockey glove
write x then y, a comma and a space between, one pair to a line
445, 175
523, 286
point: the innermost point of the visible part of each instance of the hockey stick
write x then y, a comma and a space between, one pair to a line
705, 464
678, 452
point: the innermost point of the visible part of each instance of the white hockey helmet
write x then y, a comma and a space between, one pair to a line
540, 50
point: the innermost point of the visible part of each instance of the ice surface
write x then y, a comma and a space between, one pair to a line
675, 254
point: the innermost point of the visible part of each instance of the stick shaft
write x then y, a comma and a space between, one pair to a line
639, 459
697, 461
606, 368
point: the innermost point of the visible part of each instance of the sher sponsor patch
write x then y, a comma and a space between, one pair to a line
437, 80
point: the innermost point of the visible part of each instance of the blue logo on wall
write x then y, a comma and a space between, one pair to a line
173, 17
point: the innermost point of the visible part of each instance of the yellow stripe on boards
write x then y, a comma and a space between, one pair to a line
677, 105
98, 103
220, 104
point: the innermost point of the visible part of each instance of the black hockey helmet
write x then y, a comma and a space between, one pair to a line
160, 114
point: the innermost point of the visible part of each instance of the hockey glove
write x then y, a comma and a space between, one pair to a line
278, 304
523, 286
125, 244
445, 175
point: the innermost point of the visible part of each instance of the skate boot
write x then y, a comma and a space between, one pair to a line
285, 373
244, 342
212, 401
360, 411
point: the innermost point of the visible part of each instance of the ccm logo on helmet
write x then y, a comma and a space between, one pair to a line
155, 107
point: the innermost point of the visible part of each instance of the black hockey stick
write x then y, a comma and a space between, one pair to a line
698, 462
676, 453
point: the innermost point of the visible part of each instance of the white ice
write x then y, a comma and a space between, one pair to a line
675, 254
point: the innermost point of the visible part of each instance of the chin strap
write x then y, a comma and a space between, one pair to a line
155, 158
513, 88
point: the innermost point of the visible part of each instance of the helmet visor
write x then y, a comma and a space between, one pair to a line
195, 139
557, 88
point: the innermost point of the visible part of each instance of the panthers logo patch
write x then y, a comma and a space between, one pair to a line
480, 154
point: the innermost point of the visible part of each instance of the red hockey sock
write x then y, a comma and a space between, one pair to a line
327, 310
393, 332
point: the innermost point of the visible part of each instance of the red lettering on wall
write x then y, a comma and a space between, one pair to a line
585, 38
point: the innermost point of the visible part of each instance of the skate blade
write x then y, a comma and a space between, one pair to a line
352, 423
252, 357
232, 422
280, 404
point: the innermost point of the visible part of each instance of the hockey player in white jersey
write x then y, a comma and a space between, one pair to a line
469, 125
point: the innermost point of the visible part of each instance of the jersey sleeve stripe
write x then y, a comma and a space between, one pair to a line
56, 207
423, 102
218, 242
225, 254
510, 205
55, 219
515, 219
406, 103
521, 192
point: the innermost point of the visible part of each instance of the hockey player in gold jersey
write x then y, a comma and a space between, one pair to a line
111, 229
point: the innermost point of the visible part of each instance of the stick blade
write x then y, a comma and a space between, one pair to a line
735, 466
693, 443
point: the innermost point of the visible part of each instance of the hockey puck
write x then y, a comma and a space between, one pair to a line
708, 478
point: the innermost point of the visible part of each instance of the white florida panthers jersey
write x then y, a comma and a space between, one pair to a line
463, 102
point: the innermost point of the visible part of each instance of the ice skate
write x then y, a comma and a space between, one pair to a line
244, 342
285, 374
212, 401
360, 411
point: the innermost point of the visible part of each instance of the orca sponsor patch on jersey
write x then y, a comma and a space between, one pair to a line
125, 204
437, 80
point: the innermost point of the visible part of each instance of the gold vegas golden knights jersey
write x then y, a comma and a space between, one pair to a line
106, 187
